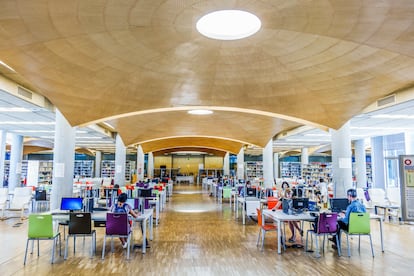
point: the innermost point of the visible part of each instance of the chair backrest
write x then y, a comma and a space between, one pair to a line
259, 217
327, 223
117, 224
4, 194
271, 202
40, 226
40, 195
226, 192
80, 223
359, 223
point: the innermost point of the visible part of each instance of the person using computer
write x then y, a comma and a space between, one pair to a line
355, 206
293, 225
123, 207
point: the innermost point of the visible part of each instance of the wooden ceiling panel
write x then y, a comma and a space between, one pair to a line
318, 62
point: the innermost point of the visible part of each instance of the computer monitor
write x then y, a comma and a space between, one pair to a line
251, 192
71, 204
145, 192
301, 203
339, 204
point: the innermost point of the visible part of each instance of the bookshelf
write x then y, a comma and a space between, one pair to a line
253, 169
83, 168
290, 169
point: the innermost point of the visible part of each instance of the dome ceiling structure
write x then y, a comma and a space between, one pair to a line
140, 65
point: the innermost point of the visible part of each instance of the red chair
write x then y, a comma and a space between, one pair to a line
271, 202
264, 227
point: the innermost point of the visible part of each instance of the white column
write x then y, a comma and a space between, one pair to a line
240, 164
98, 161
226, 164
341, 160
63, 161
304, 156
150, 172
268, 164
276, 165
140, 163
120, 159
3, 135
377, 162
360, 164
409, 142
16, 155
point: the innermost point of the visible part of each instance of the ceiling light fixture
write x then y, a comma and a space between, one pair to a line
7, 66
228, 24
200, 112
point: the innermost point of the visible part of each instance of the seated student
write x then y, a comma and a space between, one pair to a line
355, 206
293, 225
122, 207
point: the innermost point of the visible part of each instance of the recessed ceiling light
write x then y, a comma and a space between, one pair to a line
200, 112
228, 24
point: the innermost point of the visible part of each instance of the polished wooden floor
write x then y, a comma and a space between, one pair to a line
198, 236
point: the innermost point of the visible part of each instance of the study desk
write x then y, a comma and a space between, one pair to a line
242, 201
144, 218
279, 217
386, 209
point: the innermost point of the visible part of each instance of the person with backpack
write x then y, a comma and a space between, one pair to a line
122, 207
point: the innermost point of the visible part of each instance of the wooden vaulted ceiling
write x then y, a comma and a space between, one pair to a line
140, 65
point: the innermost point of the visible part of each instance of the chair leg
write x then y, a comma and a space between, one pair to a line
25, 253
65, 256
306, 241
359, 243
103, 248
263, 239
372, 248
317, 254
338, 244
128, 244
347, 244
38, 248
52, 259
258, 236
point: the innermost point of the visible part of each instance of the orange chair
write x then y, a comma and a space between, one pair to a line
264, 227
271, 202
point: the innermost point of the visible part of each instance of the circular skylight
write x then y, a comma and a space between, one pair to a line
228, 24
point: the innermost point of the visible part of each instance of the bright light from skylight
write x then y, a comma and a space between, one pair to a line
228, 24
200, 112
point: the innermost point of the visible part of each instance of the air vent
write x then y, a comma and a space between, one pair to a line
386, 101
25, 93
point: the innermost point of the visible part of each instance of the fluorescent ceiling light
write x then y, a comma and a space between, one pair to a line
200, 112
33, 131
14, 109
5, 65
26, 123
228, 24
392, 116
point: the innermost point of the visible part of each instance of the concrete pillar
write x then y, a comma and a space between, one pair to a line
304, 159
360, 164
341, 160
120, 159
276, 165
3, 135
16, 155
63, 161
226, 164
98, 161
240, 164
377, 162
150, 172
268, 164
140, 163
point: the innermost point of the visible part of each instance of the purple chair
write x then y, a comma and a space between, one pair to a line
326, 224
117, 225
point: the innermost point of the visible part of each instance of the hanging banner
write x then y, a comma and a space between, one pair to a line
407, 186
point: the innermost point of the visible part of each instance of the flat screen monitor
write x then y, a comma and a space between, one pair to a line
71, 203
339, 204
300, 203
144, 192
251, 192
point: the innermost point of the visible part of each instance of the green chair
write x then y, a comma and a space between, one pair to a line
359, 224
227, 194
41, 228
